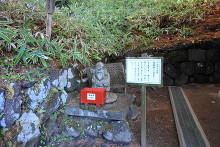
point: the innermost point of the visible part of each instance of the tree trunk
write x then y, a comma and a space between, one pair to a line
49, 26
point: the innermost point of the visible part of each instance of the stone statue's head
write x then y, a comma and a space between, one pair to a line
99, 66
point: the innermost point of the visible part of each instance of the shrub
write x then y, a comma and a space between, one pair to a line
89, 30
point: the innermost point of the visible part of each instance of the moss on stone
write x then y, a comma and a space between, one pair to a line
9, 90
68, 121
92, 108
107, 127
54, 90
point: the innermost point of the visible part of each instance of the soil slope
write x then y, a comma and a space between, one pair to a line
206, 29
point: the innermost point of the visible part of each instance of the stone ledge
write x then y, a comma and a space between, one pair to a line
115, 111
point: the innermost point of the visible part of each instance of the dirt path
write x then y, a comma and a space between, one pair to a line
161, 129
206, 29
206, 104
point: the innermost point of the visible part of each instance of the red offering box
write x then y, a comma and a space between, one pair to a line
93, 96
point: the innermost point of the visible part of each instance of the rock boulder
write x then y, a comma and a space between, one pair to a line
30, 124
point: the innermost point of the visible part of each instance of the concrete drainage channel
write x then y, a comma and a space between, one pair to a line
189, 130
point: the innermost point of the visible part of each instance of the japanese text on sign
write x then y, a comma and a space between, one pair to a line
91, 96
144, 71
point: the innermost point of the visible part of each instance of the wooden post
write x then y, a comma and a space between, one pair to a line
50, 10
143, 116
49, 26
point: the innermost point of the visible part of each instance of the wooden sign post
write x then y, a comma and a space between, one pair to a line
143, 116
146, 72
50, 10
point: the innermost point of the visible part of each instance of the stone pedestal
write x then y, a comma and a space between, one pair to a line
111, 97
114, 111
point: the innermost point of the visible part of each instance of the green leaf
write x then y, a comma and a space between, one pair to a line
5, 22
25, 59
7, 31
21, 52
3, 36
63, 59
43, 61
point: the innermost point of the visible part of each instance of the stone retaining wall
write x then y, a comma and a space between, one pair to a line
193, 63
48, 112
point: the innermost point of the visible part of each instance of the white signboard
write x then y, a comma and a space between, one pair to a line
91, 96
144, 71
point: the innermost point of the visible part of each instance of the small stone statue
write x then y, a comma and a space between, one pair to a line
101, 77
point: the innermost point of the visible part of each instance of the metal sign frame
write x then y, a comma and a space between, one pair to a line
146, 84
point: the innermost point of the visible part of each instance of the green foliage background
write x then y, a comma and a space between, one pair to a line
89, 30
